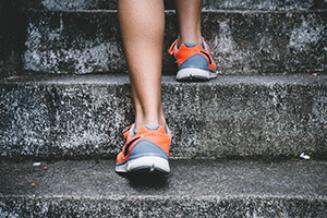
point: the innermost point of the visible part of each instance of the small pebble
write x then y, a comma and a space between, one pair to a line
304, 156
33, 184
36, 164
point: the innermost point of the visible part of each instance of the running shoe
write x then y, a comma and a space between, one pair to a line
145, 150
193, 60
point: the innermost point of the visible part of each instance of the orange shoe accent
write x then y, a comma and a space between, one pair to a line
183, 53
158, 137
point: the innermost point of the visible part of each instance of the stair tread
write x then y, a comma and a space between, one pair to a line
190, 178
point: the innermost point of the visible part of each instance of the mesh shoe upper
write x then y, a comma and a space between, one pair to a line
197, 56
145, 142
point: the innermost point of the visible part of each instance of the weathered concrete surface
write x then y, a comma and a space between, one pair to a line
242, 42
73, 5
233, 116
11, 32
195, 189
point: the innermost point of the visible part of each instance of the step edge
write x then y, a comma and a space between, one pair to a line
119, 79
173, 12
117, 197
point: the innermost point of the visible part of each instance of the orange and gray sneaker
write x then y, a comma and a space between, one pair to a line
145, 150
194, 61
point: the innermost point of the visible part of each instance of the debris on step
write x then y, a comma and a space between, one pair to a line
36, 164
304, 156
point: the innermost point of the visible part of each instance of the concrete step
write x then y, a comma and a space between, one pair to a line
247, 42
74, 116
73, 5
195, 189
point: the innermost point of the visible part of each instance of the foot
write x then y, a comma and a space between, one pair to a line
145, 150
193, 60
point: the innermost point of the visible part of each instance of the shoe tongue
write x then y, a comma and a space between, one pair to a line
134, 131
193, 44
190, 44
152, 126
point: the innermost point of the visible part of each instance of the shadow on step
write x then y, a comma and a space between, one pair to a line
148, 180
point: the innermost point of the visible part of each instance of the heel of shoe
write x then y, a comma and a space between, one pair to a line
150, 164
194, 74
145, 164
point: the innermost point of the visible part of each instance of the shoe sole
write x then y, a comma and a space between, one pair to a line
148, 164
194, 74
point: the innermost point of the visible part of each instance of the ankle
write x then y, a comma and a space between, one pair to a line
196, 39
143, 122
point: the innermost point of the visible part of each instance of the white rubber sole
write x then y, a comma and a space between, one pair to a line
150, 163
189, 74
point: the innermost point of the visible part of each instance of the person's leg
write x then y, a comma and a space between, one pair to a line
147, 142
189, 18
142, 28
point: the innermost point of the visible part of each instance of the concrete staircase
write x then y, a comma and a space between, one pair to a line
65, 98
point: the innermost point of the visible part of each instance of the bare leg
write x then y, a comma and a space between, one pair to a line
142, 27
189, 17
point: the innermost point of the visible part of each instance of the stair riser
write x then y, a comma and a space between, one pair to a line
10, 51
73, 5
208, 121
162, 207
252, 42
